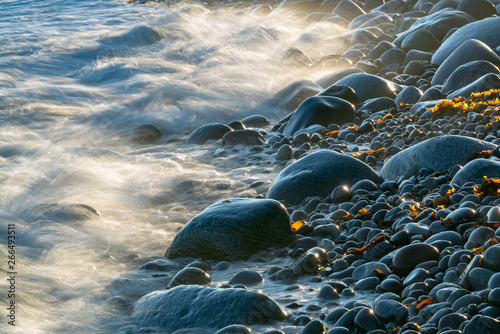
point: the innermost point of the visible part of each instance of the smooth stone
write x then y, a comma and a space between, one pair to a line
414, 68
452, 320
342, 92
438, 154
290, 97
335, 314
145, 134
317, 174
212, 131
484, 83
391, 285
474, 171
451, 236
494, 281
367, 283
190, 275
366, 321
416, 275
482, 324
491, 258
327, 292
368, 86
378, 104
314, 327
420, 39
468, 73
494, 297
493, 215
348, 10
466, 300
243, 137
391, 311
323, 110
437, 24
407, 257
479, 278
370, 19
332, 78
255, 121
233, 229
192, 306
486, 31
284, 153
234, 329
366, 269
393, 56
478, 9
470, 50
310, 262
482, 233
247, 277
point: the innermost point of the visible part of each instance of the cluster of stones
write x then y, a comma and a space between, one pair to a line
389, 186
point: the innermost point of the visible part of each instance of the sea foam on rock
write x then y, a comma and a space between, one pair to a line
317, 174
201, 307
438, 154
233, 229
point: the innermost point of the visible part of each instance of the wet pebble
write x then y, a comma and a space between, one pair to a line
366, 321
314, 327
407, 257
190, 275
247, 277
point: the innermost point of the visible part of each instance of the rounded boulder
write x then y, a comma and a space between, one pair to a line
199, 307
317, 174
233, 229
438, 154
323, 110
406, 258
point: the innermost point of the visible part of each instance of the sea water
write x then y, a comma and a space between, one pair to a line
88, 207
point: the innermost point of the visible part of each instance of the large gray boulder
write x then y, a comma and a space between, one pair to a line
486, 31
438, 24
475, 170
468, 51
368, 86
438, 154
199, 307
484, 83
233, 229
323, 110
317, 174
468, 73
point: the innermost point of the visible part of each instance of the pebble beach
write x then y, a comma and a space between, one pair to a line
359, 193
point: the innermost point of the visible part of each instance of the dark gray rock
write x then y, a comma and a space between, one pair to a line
407, 257
199, 307
255, 121
378, 104
491, 258
474, 171
343, 92
368, 86
451, 320
243, 137
478, 9
470, 50
212, 131
486, 31
323, 110
479, 278
327, 292
391, 311
367, 283
467, 74
284, 153
190, 275
247, 277
366, 270
438, 154
408, 95
232, 229
420, 39
366, 321
482, 324
437, 24
310, 262
318, 174
314, 327
484, 83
